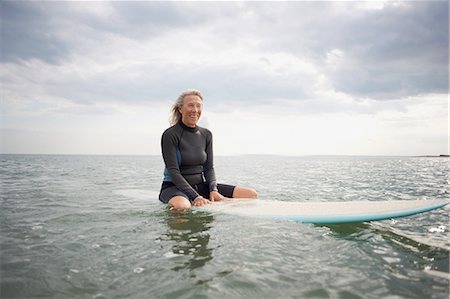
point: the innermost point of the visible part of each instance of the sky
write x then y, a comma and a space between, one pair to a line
278, 78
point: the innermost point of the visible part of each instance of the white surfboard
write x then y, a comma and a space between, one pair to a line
325, 212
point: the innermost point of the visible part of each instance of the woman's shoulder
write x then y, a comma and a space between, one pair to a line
172, 130
205, 132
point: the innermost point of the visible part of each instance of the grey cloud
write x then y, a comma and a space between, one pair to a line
389, 53
27, 32
33, 29
402, 52
144, 19
233, 85
37, 29
397, 51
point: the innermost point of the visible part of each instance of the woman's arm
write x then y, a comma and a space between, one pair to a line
208, 167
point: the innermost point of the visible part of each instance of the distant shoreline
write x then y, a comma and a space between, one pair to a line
239, 155
434, 156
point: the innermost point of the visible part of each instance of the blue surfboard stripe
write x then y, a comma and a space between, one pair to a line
348, 218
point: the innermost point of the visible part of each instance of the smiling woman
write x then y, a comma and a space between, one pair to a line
189, 177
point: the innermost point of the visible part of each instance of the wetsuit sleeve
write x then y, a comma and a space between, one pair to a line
169, 143
208, 167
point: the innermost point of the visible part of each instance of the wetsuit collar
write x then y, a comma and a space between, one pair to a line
188, 128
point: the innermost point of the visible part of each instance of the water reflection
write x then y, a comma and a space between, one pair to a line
189, 230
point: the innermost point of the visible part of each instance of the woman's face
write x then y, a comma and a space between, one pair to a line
191, 110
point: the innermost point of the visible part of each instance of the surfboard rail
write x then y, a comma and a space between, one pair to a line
326, 212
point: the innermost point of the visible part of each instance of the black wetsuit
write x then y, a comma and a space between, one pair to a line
188, 157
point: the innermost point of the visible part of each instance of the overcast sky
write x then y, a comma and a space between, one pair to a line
285, 78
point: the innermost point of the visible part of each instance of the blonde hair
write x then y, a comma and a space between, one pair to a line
175, 114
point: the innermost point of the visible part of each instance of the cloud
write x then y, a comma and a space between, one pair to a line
62, 60
395, 51
28, 32
399, 51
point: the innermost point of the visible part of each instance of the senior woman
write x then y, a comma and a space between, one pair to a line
187, 150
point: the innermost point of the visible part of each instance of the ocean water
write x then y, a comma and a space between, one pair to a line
92, 227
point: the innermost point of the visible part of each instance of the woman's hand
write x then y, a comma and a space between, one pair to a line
216, 196
200, 201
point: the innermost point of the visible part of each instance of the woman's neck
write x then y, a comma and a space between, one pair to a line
184, 126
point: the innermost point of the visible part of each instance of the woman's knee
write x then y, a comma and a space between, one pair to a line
252, 193
244, 192
180, 203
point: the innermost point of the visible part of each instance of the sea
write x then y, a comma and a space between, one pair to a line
92, 227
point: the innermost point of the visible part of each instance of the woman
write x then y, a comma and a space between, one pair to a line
189, 177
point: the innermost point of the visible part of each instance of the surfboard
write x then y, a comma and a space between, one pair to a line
325, 212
